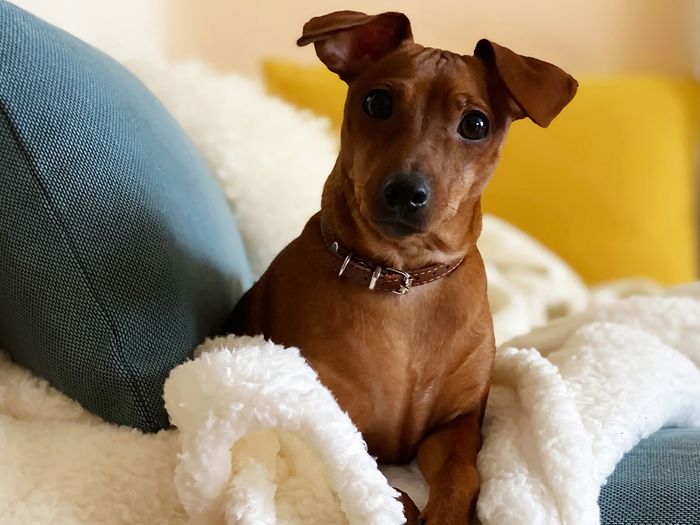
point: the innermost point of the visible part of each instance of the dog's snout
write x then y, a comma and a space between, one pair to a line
406, 192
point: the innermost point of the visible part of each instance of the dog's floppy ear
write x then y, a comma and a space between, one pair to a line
348, 41
541, 90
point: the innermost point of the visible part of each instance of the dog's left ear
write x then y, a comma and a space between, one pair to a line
541, 90
348, 41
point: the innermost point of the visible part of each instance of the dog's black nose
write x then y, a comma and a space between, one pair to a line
405, 193
403, 204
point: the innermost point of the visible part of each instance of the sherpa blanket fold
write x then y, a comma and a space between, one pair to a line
570, 399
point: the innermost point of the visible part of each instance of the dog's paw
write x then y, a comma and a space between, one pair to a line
410, 511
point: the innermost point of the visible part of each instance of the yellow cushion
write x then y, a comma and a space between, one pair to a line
310, 87
609, 185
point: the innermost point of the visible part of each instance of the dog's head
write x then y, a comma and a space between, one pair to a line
423, 127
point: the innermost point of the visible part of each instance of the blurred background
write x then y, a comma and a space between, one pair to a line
591, 37
611, 186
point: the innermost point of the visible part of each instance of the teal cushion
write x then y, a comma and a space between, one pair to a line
657, 482
118, 253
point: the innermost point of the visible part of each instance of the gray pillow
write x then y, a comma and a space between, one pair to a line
118, 253
657, 482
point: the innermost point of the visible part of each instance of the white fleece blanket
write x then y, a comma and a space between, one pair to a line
570, 399
261, 442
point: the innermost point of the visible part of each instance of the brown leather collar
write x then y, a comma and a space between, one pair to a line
383, 278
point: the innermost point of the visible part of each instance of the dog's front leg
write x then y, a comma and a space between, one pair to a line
447, 458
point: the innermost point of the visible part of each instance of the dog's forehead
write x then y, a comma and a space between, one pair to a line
437, 59
433, 69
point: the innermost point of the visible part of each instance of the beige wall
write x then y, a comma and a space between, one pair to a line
584, 36
124, 28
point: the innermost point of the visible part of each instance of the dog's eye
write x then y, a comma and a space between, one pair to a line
474, 126
377, 103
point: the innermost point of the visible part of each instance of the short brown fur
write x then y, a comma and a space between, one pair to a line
411, 370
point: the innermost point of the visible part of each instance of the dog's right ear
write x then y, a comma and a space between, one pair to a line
541, 90
348, 41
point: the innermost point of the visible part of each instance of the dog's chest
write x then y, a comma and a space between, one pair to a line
398, 373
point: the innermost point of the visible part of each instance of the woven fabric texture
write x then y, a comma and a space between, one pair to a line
656, 483
118, 253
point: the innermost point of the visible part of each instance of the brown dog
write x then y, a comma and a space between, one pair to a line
401, 213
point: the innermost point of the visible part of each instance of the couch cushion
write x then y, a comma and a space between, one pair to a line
656, 482
118, 253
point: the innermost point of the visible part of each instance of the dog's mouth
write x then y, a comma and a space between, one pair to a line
398, 227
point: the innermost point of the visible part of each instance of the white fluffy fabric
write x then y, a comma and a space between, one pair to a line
265, 442
61, 465
568, 400
270, 158
260, 441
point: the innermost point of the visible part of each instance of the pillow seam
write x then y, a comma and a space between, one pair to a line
107, 319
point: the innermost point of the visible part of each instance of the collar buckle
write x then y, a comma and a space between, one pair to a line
406, 282
404, 286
